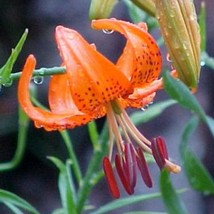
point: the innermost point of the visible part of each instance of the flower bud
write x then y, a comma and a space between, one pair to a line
180, 30
146, 5
100, 9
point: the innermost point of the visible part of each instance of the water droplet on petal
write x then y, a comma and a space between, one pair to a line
107, 31
38, 80
168, 58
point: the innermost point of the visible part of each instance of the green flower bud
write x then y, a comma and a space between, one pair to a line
146, 5
180, 30
100, 9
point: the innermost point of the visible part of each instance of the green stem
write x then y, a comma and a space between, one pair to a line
68, 144
74, 164
21, 143
40, 72
93, 134
92, 171
207, 60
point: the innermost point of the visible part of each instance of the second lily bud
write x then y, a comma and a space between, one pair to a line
178, 23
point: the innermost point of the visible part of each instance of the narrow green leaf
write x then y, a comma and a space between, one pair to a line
58, 211
210, 124
66, 193
145, 212
13, 208
198, 177
125, 202
189, 128
153, 111
15, 201
171, 200
178, 91
58, 163
6, 70
138, 15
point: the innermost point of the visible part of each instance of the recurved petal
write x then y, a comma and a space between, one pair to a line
60, 98
137, 102
141, 59
44, 118
94, 80
142, 96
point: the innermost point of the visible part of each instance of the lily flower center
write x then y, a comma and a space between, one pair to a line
123, 132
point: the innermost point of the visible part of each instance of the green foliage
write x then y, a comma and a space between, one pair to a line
152, 112
6, 70
66, 187
198, 177
15, 203
171, 200
125, 202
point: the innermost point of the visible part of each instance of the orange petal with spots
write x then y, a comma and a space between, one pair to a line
141, 58
60, 97
137, 103
141, 97
44, 118
93, 79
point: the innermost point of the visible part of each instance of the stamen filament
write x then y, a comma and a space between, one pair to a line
124, 129
114, 126
111, 142
134, 129
135, 136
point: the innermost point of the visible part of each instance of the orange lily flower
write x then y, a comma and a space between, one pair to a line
93, 87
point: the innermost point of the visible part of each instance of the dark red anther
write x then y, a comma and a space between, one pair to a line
159, 151
129, 165
142, 165
122, 175
109, 175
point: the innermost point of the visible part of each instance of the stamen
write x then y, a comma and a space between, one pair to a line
114, 126
128, 140
122, 175
111, 143
130, 164
142, 165
135, 133
109, 175
160, 155
159, 152
134, 129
